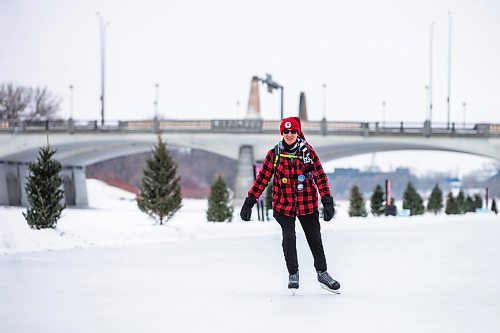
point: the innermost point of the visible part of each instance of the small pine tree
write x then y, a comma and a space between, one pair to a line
461, 203
435, 203
220, 208
413, 201
268, 201
469, 203
478, 202
357, 203
451, 205
377, 201
160, 195
43, 190
494, 206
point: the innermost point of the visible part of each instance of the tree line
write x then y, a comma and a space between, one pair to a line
413, 202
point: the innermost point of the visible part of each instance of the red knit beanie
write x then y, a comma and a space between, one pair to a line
292, 123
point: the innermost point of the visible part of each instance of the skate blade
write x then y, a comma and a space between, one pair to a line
324, 286
293, 291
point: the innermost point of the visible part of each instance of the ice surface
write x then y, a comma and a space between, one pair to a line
423, 274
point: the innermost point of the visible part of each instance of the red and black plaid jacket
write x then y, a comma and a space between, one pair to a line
288, 199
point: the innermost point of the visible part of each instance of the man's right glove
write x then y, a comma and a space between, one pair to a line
328, 209
246, 209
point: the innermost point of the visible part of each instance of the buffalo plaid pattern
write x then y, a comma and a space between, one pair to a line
288, 199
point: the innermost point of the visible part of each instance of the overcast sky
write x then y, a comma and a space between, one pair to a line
204, 54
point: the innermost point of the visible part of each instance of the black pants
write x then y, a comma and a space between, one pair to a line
310, 225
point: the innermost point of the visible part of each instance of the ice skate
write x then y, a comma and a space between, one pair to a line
293, 283
328, 283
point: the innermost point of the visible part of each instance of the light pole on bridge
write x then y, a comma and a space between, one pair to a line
430, 71
463, 105
324, 101
383, 113
157, 86
103, 61
71, 101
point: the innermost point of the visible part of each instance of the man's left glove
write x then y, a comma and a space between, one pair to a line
328, 209
246, 209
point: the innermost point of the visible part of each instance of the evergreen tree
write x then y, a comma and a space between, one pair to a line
43, 190
160, 195
357, 203
412, 200
461, 204
478, 201
494, 206
469, 203
220, 208
451, 205
435, 203
268, 203
377, 201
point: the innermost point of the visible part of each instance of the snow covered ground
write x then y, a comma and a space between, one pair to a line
420, 274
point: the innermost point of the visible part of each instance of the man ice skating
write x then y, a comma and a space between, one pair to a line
298, 175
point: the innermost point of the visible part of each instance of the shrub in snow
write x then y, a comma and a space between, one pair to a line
435, 203
220, 208
357, 203
494, 206
451, 205
470, 205
43, 191
160, 195
461, 203
412, 200
377, 201
478, 201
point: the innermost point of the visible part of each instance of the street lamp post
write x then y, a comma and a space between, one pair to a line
449, 69
157, 86
103, 62
383, 113
71, 102
324, 101
463, 106
430, 71
427, 115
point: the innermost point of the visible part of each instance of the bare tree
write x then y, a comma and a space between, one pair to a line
13, 101
24, 103
43, 106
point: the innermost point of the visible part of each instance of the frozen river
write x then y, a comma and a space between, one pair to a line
442, 277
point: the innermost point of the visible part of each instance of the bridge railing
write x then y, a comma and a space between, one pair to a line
253, 126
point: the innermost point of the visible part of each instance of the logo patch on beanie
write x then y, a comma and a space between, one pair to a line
288, 124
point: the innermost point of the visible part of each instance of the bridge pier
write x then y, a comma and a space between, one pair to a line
13, 181
75, 186
244, 175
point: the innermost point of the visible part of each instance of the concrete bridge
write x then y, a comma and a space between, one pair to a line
80, 144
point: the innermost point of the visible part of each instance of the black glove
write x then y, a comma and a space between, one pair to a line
328, 209
246, 209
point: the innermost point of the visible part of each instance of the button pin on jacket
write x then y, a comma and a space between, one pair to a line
301, 178
300, 187
284, 180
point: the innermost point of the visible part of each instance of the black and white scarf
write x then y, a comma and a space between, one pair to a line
301, 146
